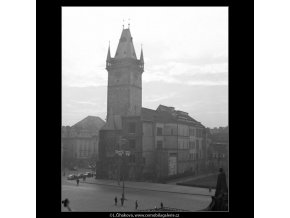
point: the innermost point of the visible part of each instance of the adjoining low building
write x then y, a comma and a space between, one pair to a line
80, 142
177, 139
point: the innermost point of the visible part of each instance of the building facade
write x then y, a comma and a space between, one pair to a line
80, 142
218, 151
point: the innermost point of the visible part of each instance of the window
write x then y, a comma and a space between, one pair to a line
159, 131
132, 127
159, 145
132, 143
198, 133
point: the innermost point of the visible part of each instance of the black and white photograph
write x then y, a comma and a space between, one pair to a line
144, 109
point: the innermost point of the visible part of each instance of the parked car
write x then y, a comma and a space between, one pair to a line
80, 176
73, 168
88, 174
71, 177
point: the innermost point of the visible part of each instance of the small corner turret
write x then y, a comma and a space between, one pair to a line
108, 61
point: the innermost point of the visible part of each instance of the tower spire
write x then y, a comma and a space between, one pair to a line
141, 56
108, 61
109, 53
125, 48
129, 24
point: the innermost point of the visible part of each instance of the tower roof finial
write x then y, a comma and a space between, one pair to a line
123, 23
129, 23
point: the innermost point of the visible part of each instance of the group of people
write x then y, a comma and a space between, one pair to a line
136, 202
219, 203
122, 199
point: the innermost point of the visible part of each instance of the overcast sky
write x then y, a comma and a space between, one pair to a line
185, 54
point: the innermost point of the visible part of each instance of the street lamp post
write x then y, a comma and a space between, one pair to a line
123, 154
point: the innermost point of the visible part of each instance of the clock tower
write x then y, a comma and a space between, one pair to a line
124, 96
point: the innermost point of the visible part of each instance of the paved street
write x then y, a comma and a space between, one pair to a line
98, 195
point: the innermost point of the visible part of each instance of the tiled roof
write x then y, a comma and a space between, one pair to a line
90, 123
168, 114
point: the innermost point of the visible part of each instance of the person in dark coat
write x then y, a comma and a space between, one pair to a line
161, 205
116, 201
78, 181
122, 201
136, 205
66, 204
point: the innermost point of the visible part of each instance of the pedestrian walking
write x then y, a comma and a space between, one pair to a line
78, 181
122, 201
136, 205
65, 203
161, 205
116, 200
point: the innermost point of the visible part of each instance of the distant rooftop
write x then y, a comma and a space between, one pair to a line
168, 114
90, 123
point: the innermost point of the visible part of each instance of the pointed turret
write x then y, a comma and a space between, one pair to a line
109, 54
125, 48
141, 65
141, 56
108, 61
